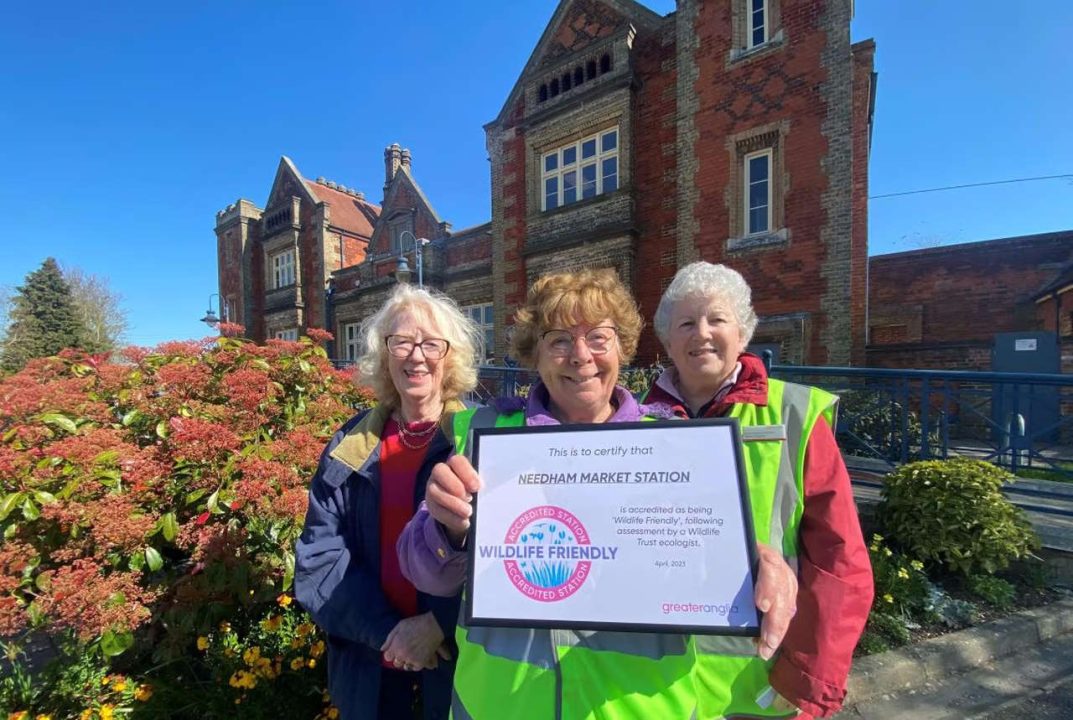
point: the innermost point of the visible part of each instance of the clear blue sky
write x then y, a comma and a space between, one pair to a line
127, 125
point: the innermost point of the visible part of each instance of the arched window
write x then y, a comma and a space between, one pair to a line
605, 64
566, 82
579, 75
543, 94
555, 87
590, 70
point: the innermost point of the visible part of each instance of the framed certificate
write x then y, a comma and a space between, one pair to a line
640, 526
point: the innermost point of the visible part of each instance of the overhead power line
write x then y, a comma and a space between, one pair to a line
970, 185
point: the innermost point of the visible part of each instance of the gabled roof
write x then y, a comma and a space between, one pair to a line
402, 175
349, 211
632, 11
1061, 284
287, 183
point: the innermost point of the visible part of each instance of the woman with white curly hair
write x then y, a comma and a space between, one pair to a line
799, 491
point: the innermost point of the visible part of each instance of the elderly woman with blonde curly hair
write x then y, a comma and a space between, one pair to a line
577, 329
390, 646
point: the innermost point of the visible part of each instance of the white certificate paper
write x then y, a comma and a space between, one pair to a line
631, 526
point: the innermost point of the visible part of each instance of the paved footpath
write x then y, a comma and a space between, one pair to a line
1017, 667
1037, 683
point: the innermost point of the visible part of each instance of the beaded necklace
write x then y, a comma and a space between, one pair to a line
416, 439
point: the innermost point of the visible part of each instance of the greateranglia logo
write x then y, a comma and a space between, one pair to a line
547, 553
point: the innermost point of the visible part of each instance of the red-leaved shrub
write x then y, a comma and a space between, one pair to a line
149, 508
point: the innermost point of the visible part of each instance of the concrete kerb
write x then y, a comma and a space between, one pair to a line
953, 654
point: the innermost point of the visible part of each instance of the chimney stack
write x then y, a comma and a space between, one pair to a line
392, 160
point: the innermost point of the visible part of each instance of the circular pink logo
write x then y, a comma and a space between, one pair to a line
549, 543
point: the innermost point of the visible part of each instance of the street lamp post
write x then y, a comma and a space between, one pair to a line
210, 318
402, 271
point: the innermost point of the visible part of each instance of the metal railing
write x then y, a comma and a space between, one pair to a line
1021, 421
501, 381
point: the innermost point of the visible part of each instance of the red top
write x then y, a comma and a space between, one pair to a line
835, 576
399, 465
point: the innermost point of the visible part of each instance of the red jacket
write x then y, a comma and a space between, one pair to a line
835, 575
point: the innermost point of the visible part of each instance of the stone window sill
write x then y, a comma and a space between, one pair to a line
741, 54
758, 241
581, 203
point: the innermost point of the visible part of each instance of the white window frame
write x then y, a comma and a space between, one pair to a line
288, 334
751, 24
560, 171
747, 187
478, 314
228, 311
283, 269
351, 341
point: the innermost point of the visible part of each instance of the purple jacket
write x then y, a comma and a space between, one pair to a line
426, 556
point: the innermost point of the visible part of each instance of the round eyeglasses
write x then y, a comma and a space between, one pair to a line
402, 346
599, 340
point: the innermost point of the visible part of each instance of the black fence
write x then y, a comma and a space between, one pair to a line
1018, 420
888, 417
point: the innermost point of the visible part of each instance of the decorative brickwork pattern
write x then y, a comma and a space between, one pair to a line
589, 21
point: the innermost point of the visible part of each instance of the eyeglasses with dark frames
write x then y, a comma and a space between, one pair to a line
402, 346
599, 340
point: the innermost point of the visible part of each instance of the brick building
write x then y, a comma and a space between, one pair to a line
735, 131
941, 308
275, 264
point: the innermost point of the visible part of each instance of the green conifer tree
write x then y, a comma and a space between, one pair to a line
43, 319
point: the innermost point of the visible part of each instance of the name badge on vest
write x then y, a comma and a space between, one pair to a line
764, 432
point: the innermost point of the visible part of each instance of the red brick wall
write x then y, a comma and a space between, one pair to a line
229, 264
255, 328
963, 293
781, 85
863, 65
938, 356
514, 213
353, 250
466, 250
309, 253
1045, 319
654, 182
404, 198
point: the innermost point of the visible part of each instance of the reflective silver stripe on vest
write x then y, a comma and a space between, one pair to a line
458, 710
719, 645
794, 410
646, 645
537, 647
795, 401
483, 417
526, 645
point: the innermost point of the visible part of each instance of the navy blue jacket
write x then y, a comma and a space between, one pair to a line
337, 569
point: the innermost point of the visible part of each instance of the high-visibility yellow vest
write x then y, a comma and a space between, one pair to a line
505, 673
730, 678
